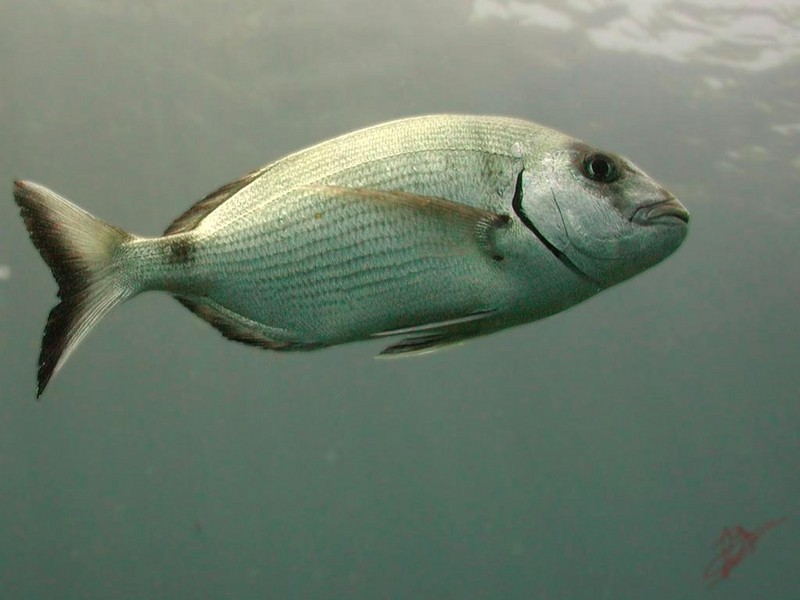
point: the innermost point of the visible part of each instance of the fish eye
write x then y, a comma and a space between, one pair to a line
600, 168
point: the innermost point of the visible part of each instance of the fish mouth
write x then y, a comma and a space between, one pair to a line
665, 211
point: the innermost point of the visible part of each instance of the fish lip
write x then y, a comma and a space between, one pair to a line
663, 211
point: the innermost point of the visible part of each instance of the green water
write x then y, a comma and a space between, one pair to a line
595, 455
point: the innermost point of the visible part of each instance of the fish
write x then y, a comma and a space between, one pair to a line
427, 230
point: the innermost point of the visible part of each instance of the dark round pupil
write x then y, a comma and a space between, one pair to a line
600, 168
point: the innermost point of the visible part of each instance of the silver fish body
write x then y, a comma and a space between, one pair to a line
439, 228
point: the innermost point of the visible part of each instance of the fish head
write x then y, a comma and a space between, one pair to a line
600, 213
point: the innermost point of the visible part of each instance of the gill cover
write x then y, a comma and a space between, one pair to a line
587, 223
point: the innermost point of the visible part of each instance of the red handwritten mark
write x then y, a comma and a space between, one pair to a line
735, 543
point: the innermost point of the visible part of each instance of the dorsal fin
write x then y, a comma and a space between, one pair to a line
192, 217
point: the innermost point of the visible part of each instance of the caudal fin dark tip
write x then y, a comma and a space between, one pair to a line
42, 383
57, 333
23, 193
79, 250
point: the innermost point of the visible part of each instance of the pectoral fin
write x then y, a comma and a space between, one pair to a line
453, 217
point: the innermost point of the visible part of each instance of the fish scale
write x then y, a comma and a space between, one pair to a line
306, 275
408, 143
437, 228
307, 258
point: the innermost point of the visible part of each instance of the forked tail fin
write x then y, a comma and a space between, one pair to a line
80, 251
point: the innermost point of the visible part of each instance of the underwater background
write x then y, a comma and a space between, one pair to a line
598, 454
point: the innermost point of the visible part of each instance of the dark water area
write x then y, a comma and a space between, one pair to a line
600, 453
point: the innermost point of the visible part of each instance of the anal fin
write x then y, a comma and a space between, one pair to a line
237, 328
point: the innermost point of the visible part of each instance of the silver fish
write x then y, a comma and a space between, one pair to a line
436, 228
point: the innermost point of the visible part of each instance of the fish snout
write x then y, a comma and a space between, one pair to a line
664, 211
